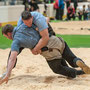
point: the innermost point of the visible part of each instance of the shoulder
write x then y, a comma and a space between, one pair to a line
15, 45
36, 14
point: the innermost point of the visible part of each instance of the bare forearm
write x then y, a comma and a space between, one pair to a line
42, 42
10, 66
11, 62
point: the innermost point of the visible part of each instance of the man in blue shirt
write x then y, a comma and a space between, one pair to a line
28, 37
40, 21
37, 20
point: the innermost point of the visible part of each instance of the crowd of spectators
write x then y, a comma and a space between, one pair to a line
31, 5
73, 10
84, 12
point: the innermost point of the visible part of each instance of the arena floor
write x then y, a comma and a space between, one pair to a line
33, 73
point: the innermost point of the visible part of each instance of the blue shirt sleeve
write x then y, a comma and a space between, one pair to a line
41, 23
39, 20
15, 46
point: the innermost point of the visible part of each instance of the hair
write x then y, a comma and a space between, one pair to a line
26, 15
7, 28
84, 6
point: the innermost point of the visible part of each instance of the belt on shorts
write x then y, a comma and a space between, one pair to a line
46, 48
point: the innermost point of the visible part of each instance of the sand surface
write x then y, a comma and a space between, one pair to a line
72, 27
33, 73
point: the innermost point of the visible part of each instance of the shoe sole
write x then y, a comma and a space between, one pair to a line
83, 66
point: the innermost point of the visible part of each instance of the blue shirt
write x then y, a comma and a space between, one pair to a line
61, 4
38, 19
28, 37
24, 36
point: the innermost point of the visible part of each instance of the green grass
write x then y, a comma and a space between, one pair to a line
4, 42
56, 21
72, 40
77, 41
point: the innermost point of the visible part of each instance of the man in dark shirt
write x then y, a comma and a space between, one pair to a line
71, 13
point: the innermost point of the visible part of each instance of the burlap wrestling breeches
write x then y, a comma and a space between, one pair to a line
55, 48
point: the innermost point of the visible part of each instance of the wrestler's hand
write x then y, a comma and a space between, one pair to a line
35, 52
4, 79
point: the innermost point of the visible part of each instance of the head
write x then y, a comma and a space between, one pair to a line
71, 6
27, 8
44, 11
33, 1
32, 8
27, 18
84, 6
7, 31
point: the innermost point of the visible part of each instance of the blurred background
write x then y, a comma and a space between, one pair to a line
19, 2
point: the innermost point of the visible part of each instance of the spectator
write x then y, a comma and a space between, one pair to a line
27, 8
75, 4
34, 5
59, 6
46, 1
25, 3
44, 13
80, 12
45, 6
85, 12
88, 11
12, 2
56, 7
51, 1
4, 2
71, 13
67, 3
29, 1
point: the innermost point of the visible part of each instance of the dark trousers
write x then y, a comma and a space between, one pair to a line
57, 66
75, 5
85, 16
69, 17
80, 16
59, 14
67, 4
69, 56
